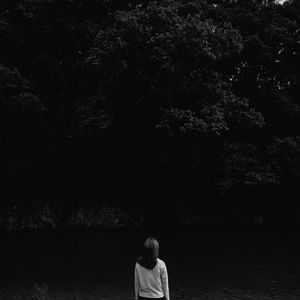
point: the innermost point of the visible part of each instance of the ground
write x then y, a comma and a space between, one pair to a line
201, 265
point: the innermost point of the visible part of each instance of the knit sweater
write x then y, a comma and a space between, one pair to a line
151, 283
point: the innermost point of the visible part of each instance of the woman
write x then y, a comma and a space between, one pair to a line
151, 277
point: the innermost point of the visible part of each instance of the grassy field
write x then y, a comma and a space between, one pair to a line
93, 266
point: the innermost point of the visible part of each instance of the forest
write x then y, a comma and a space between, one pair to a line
155, 107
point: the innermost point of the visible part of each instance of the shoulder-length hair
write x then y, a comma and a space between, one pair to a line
148, 257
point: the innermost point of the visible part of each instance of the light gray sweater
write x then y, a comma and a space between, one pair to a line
151, 283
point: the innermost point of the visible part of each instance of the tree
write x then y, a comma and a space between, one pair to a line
158, 59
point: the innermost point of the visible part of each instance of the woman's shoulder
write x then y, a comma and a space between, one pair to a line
161, 263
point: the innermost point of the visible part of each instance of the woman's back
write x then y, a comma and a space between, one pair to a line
151, 277
151, 280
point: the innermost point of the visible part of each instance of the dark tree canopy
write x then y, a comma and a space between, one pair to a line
151, 99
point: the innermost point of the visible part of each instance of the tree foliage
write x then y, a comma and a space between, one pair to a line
21, 114
186, 95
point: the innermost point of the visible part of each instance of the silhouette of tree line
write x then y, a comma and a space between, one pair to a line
171, 103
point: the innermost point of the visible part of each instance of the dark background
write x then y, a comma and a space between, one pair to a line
165, 108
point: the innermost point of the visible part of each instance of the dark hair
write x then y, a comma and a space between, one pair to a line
148, 258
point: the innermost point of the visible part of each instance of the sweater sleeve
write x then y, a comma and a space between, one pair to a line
136, 283
165, 281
